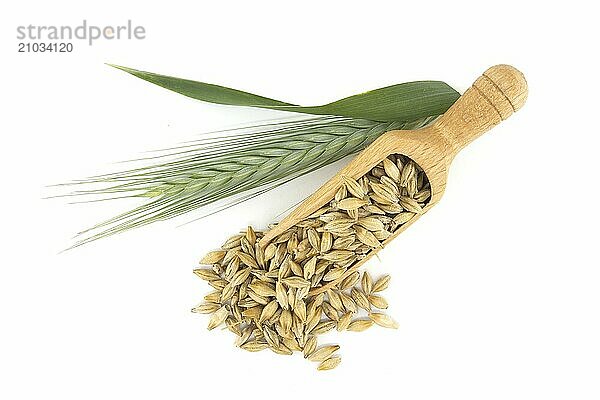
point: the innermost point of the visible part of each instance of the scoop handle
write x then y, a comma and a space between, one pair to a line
496, 95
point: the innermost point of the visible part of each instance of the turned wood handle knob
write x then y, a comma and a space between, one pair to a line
504, 87
496, 95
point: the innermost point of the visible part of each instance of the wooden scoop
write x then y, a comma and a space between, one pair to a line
494, 97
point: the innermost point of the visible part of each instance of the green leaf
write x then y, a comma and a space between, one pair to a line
403, 102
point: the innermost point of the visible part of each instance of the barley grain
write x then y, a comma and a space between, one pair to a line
350, 280
206, 308
296, 282
371, 223
281, 295
366, 283
334, 274
366, 237
378, 302
207, 274
323, 353
410, 204
381, 284
213, 297
330, 363
351, 203
262, 289
254, 346
310, 346
323, 327
218, 318
360, 325
360, 299
383, 320
344, 321
213, 257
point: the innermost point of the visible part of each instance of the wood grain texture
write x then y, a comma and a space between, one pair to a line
494, 96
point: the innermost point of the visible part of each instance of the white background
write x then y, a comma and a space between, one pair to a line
496, 289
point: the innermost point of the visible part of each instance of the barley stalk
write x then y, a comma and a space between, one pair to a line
242, 164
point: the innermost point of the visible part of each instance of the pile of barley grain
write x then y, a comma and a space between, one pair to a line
304, 283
